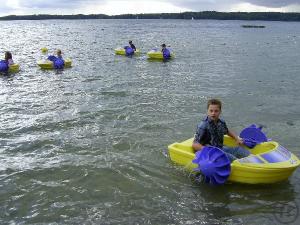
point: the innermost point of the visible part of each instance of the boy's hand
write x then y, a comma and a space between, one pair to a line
239, 141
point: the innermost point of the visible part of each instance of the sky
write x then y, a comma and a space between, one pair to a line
115, 7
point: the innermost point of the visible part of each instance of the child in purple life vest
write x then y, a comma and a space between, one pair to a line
132, 45
166, 52
8, 58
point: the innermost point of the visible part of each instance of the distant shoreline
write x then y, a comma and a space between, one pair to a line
260, 16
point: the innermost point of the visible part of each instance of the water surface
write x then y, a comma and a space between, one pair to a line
88, 145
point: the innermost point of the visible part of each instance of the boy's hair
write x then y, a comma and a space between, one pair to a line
58, 51
214, 101
8, 55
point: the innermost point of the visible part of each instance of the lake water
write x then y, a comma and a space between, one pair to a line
88, 145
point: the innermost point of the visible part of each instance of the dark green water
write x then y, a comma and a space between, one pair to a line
88, 145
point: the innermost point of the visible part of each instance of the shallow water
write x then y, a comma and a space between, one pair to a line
88, 145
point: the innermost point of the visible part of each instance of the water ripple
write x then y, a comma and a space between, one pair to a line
88, 145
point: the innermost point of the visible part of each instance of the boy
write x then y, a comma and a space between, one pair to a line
211, 132
163, 47
132, 45
8, 58
59, 53
166, 52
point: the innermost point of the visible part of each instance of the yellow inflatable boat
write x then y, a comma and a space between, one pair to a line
155, 54
14, 68
269, 162
121, 51
47, 64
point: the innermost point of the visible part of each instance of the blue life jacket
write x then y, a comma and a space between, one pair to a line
3, 66
166, 53
59, 63
52, 58
128, 50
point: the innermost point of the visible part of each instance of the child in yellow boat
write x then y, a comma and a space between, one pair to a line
166, 52
132, 45
8, 58
212, 129
57, 60
59, 53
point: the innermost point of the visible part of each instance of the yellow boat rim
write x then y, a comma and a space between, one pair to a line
121, 51
47, 64
14, 68
269, 162
155, 54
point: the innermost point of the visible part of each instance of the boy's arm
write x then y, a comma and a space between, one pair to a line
238, 140
200, 132
197, 146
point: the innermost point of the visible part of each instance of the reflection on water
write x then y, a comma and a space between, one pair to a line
87, 145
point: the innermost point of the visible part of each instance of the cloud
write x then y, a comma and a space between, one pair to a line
4, 9
88, 6
226, 5
141, 6
273, 3
116, 7
52, 4
204, 5
18, 7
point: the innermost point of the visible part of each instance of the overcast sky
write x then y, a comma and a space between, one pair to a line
113, 7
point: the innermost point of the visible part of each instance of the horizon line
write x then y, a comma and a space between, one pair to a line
150, 13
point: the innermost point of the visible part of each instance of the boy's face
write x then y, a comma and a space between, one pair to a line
214, 112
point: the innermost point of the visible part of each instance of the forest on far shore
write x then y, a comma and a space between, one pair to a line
213, 15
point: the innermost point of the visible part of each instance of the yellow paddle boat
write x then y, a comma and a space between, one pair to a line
14, 68
48, 65
121, 51
269, 162
5, 68
155, 54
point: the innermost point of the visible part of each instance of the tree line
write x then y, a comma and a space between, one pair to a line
265, 16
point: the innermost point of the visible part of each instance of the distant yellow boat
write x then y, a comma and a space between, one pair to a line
121, 51
14, 68
47, 64
269, 162
154, 54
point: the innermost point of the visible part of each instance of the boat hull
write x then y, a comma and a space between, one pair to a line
158, 55
268, 163
48, 65
14, 68
121, 51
